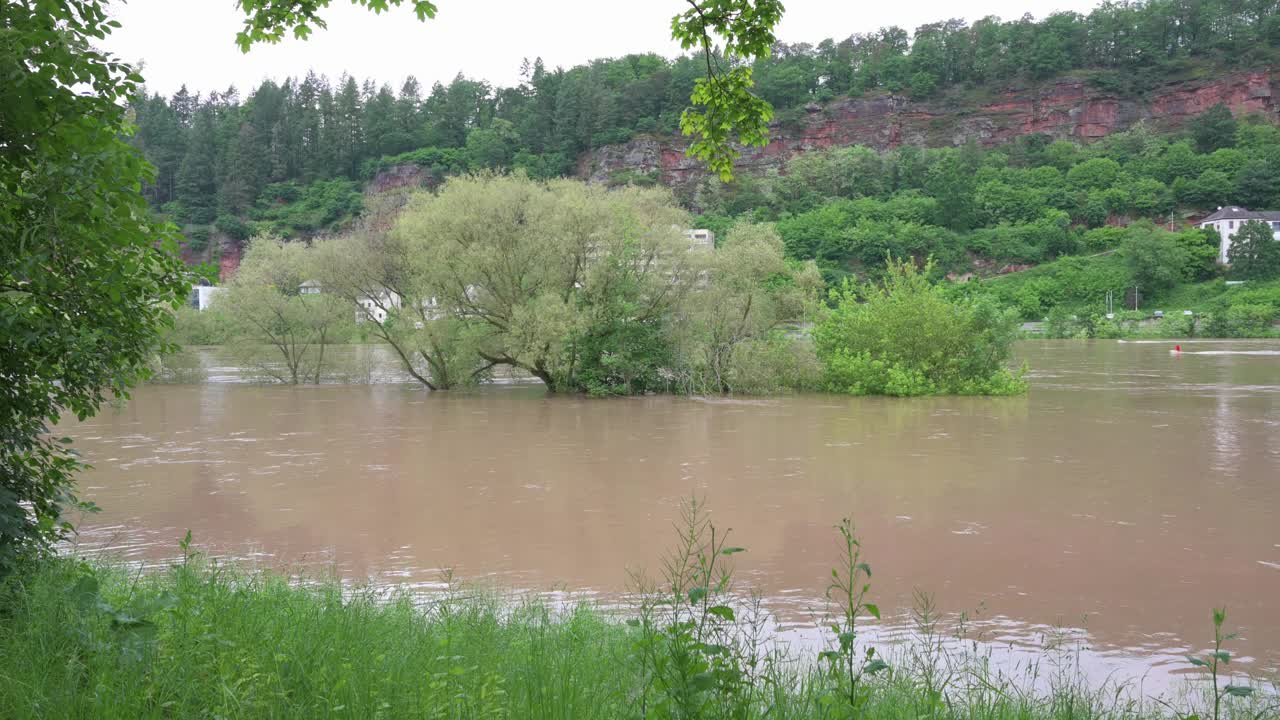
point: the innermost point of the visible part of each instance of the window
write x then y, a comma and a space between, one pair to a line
1231, 225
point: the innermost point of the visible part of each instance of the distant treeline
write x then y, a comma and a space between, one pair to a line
221, 154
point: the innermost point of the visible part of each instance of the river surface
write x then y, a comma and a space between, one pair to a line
1132, 490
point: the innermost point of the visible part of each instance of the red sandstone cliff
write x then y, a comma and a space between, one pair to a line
1067, 108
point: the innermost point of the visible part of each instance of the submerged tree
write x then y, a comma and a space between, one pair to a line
278, 303
906, 337
750, 292
375, 273
560, 279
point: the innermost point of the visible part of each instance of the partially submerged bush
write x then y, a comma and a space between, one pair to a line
905, 337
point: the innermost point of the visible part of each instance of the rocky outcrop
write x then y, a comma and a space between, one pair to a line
397, 176
1067, 108
228, 261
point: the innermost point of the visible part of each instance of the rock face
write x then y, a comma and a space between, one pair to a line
1067, 108
399, 176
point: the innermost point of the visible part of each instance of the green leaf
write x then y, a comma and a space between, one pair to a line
732, 550
696, 595
724, 612
1197, 662
875, 666
874, 610
1238, 691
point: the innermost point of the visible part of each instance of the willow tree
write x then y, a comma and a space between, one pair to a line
737, 319
373, 270
570, 282
267, 299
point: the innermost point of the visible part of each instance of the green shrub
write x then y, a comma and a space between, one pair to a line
1249, 320
233, 227
291, 209
906, 337
196, 327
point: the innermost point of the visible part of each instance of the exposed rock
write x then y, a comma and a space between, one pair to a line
399, 176
1067, 108
228, 261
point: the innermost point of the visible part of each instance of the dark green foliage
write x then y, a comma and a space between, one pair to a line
233, 227
1254, 252
1156, 260
624, 358
85, 272
288, 209
197, 238
216, 149
1216, 128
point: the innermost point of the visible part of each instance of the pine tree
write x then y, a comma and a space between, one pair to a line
196, 183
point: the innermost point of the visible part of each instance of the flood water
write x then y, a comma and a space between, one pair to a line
1127, 494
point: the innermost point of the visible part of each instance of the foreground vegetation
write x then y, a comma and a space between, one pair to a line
203, 640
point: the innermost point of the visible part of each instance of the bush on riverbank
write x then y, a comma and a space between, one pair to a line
905, 337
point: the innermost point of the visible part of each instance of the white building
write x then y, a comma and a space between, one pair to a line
1228, 220
202, 296
310, 287
375, 307
700, 239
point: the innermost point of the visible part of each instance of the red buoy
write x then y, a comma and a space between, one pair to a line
1177, 348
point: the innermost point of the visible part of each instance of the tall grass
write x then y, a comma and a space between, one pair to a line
205, 641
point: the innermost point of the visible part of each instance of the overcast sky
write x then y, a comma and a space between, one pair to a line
192, 41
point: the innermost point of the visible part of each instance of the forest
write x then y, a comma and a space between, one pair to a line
227, 155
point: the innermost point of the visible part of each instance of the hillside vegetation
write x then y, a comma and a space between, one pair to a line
288, 159
225, 153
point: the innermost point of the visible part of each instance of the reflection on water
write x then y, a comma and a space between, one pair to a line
1131, 491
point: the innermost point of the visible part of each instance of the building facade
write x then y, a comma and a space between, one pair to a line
1227, 221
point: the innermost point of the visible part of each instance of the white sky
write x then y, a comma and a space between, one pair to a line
192, 41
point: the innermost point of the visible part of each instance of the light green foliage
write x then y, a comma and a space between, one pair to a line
493, 147
1156, 259
203, 639
269, 20
87, 277
556, 276
1094, 174
212, 326
736, 319
1254, 252
817, 177
371, 266
1215, 664
1244, 320
906, 337
283, 331
723, 102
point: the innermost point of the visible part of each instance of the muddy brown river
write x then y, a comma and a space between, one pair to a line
1127, 494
